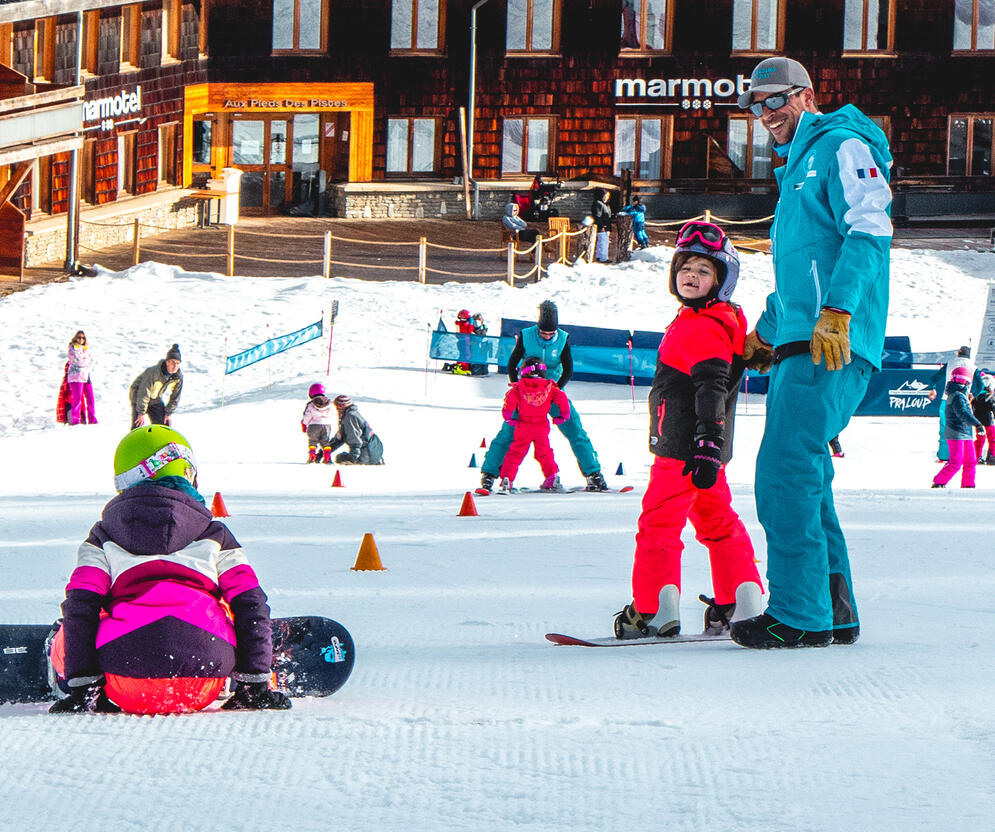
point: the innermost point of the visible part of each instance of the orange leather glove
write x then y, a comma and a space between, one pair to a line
831, 338
757, 353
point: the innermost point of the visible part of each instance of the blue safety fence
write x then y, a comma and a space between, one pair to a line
281, 343
604, 355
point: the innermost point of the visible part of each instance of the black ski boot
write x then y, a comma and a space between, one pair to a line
990, 459
764, 632
717, 616
596, 482
486, 482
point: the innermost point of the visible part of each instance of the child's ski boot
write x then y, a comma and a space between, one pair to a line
312, 453
326, 456
505, 487
551, 483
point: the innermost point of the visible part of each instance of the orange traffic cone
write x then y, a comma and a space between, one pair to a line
469, 508
483, 442
368, 559
218, 507
337, 482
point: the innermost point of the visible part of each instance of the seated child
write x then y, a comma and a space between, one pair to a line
526, 406
692, 404
163, 605
317, 424
365, 447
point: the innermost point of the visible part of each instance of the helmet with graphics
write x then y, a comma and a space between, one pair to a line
150, 453
705, 239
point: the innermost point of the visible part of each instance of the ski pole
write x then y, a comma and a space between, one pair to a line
632, 377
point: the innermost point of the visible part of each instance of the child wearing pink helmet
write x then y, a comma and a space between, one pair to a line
959, 432
317, 421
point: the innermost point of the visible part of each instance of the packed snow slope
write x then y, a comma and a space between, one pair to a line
459, 716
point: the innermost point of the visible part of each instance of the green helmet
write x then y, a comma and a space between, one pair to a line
151, 452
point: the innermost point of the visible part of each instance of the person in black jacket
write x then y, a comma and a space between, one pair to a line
365, 447
602, 215
984, 411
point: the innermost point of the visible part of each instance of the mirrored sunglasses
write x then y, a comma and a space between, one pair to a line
772, 102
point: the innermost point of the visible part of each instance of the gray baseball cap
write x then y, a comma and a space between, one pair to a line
775, 75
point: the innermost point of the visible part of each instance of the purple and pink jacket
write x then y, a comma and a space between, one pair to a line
148, 596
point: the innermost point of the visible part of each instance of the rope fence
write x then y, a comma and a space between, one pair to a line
510, 252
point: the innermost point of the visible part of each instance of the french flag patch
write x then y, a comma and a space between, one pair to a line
867, 173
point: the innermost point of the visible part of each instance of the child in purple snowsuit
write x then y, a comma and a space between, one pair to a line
959, 432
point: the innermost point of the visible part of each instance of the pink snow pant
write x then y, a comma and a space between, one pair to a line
979, 441
529, 433
78, 390
961, 455
670, 501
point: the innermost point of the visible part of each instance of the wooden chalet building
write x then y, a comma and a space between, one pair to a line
353, 107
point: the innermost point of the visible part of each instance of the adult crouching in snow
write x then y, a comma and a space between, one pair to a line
365, 447
158, 382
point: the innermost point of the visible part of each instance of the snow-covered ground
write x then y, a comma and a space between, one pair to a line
459, 716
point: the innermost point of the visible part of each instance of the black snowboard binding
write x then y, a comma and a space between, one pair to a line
717, 616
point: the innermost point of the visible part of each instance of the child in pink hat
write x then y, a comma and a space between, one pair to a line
959, 432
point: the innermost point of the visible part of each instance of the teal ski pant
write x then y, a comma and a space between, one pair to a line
572, 429
808, 568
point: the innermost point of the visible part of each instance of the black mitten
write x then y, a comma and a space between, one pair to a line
256, 696
86, 699
704, 463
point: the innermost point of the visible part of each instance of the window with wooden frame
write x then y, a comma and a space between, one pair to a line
974, 26
64, 70
131, 36
44, 49
642, 146
868, 27
969, 145
167, 153
533, 27
6, 43
750, 147
126, 163
300, 26
527, 145
109, 42
151, 38
412, 145
172, 21
757, 26
647, 26
417, 26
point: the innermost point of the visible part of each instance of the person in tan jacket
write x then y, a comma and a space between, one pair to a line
155, 394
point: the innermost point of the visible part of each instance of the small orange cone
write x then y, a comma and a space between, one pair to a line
368, 559
218, 507
469, 508
483, 442
337, 482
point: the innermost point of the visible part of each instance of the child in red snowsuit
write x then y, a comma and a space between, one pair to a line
532, 396
692, 405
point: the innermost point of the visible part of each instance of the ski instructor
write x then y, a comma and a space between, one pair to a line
551, 345
822, 335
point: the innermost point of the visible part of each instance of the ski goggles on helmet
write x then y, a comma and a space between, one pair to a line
773, 102
709, 235
532, 369
148, 468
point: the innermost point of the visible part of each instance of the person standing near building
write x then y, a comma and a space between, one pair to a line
602, 215
823, 332
158, 382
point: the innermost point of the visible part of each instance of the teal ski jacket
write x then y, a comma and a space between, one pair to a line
831, 236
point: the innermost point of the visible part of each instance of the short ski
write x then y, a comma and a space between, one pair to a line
625, 489
611, 641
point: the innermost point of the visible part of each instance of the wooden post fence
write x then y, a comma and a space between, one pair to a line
326, 264
231, 251
538, 256
511, 263
136, 246
422, 259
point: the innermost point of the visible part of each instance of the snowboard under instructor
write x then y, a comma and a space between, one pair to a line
823, 332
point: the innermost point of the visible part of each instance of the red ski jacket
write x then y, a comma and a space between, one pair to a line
532, 398
698, 370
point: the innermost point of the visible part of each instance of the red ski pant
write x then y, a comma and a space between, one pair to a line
670, 501
529, 433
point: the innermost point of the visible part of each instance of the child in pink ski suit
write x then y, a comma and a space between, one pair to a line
959, 432
692, 404
532, 396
